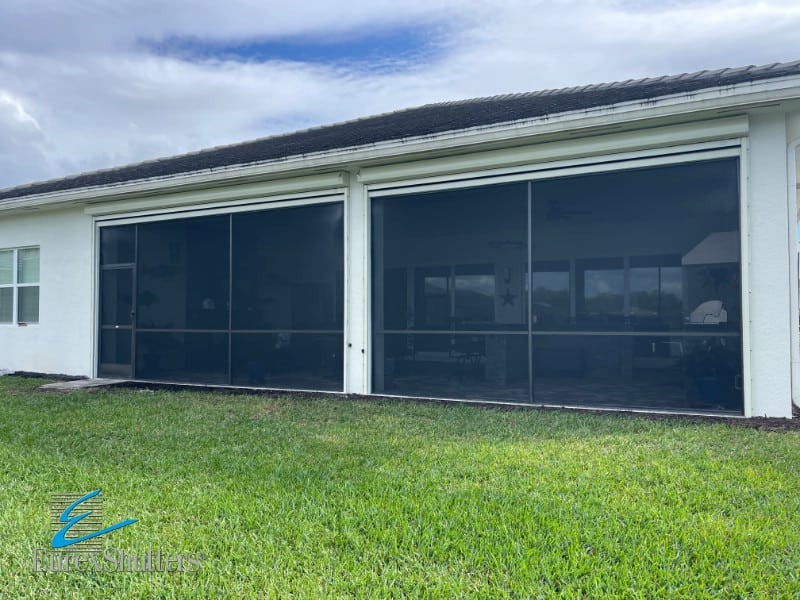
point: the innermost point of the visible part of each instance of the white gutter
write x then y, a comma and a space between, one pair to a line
725, 100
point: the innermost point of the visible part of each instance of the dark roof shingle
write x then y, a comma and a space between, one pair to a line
413, 122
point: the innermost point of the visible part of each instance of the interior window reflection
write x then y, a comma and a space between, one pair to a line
550, 295
474, 295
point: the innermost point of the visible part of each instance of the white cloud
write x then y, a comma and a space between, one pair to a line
15, 111
21, 140
82, 91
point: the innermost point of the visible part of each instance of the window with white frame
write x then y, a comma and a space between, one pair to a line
19, 285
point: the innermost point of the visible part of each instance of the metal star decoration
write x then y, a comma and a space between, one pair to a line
508, 298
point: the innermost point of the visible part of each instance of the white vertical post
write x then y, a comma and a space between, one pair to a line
357, 306
769, 292
744, 255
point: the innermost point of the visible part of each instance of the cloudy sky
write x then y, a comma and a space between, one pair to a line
87, 84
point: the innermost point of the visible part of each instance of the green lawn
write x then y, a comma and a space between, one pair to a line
291, 497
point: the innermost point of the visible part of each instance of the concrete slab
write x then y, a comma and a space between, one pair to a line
80, 384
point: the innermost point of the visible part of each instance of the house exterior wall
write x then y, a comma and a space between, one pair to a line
62, 341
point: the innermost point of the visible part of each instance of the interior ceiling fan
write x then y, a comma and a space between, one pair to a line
555, 212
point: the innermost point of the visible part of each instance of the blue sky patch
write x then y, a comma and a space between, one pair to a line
388, 48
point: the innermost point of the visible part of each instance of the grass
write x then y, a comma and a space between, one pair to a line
333, 498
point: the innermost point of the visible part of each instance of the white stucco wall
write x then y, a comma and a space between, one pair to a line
770, 252
62, 340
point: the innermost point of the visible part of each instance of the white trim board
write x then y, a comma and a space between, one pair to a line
220, 208
730, 148
253, 192
673, 140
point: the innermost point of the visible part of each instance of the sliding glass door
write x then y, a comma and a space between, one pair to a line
116, 307
609, 289
654, 315
450, 316
288, 298
253, 299
182, 300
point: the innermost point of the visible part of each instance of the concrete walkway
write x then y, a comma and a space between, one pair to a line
80, 384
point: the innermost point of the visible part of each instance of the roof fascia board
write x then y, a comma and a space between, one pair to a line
730, 128
205, 195
634, 113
